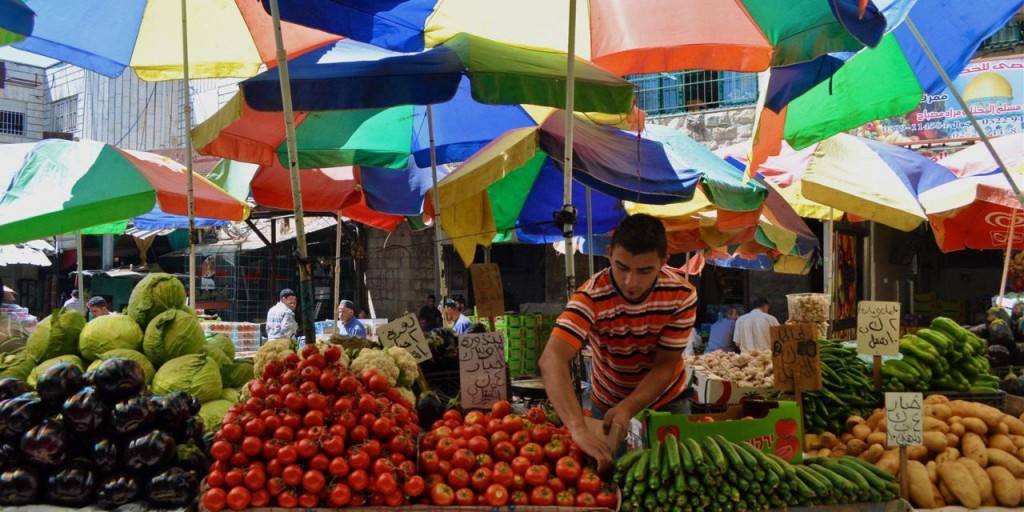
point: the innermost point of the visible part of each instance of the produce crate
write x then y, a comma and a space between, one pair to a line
1014, 405
997, 399
713, 390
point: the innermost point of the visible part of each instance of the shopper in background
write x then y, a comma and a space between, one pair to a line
98, 306
281, 318
348, 324
721, 337
429, 315
75, 302
753, 330
460, 324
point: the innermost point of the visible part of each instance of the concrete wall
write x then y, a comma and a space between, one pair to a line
24, 91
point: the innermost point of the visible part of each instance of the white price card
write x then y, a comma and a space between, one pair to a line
904, 416
406, 333
482, 369
878, 328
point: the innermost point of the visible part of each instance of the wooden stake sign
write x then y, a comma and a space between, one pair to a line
796, 360
483, 375
878, 328
488, 293
406, 333
904, 417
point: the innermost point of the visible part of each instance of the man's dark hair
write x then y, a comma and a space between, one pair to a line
97, 302
758, 302
477, 328
432, 297
640, 233
287, 292
74, 293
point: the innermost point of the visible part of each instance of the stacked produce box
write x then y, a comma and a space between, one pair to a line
526, 336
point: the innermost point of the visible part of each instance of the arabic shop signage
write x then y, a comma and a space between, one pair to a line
994, 92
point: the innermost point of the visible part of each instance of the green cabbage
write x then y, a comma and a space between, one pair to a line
109, 332
16, 365
213, 413
171, 334
56, 335
224, 343
238, 374
33, 376
218, 356
196, 374
153, 295
230, 394
134, 355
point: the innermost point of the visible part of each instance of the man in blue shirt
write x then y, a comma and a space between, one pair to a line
460, 324
348, 324
721, 332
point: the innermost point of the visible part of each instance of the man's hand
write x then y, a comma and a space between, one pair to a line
595, 446
619, 415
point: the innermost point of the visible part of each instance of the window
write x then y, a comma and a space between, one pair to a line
1007, 37
688, 91
12, 123
65, 115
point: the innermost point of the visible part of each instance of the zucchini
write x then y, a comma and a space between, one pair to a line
685, 457
672, 450
638, 473
716, 459
626, 462
864, 489
837, 480
698, 455
818, 484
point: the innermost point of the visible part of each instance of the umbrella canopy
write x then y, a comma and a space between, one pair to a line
16, 21
58, 186
640, 36
35, 252
349, 75
810, 102
977, 209
226, 38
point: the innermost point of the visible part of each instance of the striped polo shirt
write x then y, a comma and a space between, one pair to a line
625, 335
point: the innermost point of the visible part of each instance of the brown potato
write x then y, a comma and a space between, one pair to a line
875, 417
949, 455
976, 425
981, 478
918, 453
1018, 441
873, 453
1015, 425
877, 438
938, 411
946, 495
986, 413
936, 399
852, 422
828, 440
960, 484
856, 447
845, 438
972, 446
935, 441
1005, 488
998, 457
952, 440
957, 428
890, 462
933, 471
1002, 442
861, 431
920, 485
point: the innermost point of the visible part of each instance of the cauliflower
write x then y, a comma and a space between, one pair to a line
408, 369
408, 395
376, 359
273, 350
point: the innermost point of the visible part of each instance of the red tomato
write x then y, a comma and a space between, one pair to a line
536, 415
221, 450
328, 381
395, 499
314, 418
215, 499
287, 454
564, 499
359, 459
306, 448
606, 499
479, 444
465, 498
589, 482
383, 465
215, 478
348, 385
452, 414
308, 500
319, 462
541, 496
555, 450
567, 469
252, 446
382, 427
358, 480
346, 419
313, 481
284, 433
238, 498
463, 458
294, 401
338, 467
234, 478
520, 464
287, 500
541, 433
373, 448
239, 460
260, 498
358, 434
292, 474
474, 417
333, 445
414, 486
458, 478
504, 451
254, 479
378, 383
232, 432
520, 498
442, 494
339, 496
532, 451
496, 495
429, 461
556, 485
512, 423
386, 483
484, 461
536, 475
500, 409
500, 436
520, 438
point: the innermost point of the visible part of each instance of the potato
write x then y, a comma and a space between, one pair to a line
1015, 425
856, 447
988, 414
937, 501
938, 411
1002, 442
1018, 441
877, 438
917, 453
873, 453
845, 438
952, 440
972, 446
933, 471
824, 452
875, 417
949, 455
960, 484
936, 399
812, 442
852, 422
975, 425
920, 485
935, 441
838, 453
828, 440
981, 478
937, 425
861, 431
1002, 428
946, 495
957, 428
1005, 488
998, 457
890, 461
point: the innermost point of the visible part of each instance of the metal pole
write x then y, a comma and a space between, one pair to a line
1009, 251
590, 235
305, 279
337, 269
80, 259
871, 259
970, 115
570, 107
438, 248
827, 254
188, 158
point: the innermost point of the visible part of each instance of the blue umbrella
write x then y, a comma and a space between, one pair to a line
16, 21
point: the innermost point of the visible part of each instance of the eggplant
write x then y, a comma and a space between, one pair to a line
71, 486
194, 405
173, 409
105, 455
191, 430
132, 415
45, 445
18, 487
116, 490
998, 355
192, 459
118, 378
58, 382
174, 487
152, 451
11, 387
85, 412
10, 457
19, 414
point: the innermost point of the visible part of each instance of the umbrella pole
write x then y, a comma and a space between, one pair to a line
970, 115
568, 213
438, 248
590, 235
1009, 251
187, 92
337, 268
80, 262
305, 279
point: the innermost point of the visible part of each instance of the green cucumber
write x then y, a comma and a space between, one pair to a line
685, 457
716, 459
698, 455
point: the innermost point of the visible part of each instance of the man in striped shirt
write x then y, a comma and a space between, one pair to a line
637, 316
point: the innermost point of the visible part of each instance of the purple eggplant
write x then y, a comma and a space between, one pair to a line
172, 488
118, 378
71, 486
105, 455
10, 457
84, 412
58, 382
19, 414
18, 487
132, 415
11, 387
172, 410
152, 451
44, 445
192, 459
116, 490
190, 430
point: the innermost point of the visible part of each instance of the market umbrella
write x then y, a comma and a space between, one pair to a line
58, 186
16, 21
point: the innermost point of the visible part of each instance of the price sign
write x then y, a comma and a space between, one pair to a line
488, 292
406, 333
904, 418
482, 369
878, 328
796, 360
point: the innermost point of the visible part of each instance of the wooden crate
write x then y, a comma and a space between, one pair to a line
1014, 405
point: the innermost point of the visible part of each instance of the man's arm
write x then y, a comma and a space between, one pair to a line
649, 389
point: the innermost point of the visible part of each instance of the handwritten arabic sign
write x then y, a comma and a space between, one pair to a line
488, 292
796, 360
878, 328
482, 369
406, 333
904, 419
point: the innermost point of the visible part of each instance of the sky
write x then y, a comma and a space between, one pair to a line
15, 55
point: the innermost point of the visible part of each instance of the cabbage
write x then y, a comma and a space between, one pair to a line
224, 343
134, 355
107, 333
196, 374
171, 334
230, 394
238, 374
213, 413
16, 365
56, 335
153, 295
33, 376
218, 356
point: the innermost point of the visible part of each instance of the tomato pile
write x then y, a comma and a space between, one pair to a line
312, 435
502, 458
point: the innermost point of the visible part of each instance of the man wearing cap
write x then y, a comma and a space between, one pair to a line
460, 324
349, 325
281, 318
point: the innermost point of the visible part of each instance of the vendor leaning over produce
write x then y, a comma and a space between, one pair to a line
637, 317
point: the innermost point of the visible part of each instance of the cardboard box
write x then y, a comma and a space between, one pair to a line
777, 430
713, 390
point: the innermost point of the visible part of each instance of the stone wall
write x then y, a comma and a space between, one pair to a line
399, 270
714, 129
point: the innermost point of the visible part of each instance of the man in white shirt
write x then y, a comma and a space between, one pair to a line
75, 303
753, 330
281, 318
